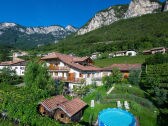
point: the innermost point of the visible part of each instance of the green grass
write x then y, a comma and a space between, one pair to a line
5, 123
125, 59
98, 106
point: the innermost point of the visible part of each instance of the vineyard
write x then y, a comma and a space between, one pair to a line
154, 80
20, 105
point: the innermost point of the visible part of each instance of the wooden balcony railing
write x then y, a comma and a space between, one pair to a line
58, 68
73, 80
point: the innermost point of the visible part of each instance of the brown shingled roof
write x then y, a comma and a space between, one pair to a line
123, 67
79, 59
53, 102
72, 107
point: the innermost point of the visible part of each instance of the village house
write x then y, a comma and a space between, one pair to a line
71, 69
124, 68
95, 55
21, 53
131, 53
18, 66
119, 53
123, 53
62, 109
76, 71
161, 50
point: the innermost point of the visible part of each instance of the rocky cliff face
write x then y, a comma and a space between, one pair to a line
166, 6
105, 17
115, 13
141, 7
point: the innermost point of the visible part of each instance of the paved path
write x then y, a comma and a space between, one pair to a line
111, 89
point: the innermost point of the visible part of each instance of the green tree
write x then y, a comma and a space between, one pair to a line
115, 77
8, 76
61, 88
134, 77
4, 54
107, 81
81, 90
37, 77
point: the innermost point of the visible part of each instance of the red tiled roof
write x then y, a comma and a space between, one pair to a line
70, 60
7, 63
80, 59
158, 48
153, 49
53, 102
72, 107
123, 67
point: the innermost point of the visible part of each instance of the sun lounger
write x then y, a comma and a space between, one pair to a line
119, 105
126, 105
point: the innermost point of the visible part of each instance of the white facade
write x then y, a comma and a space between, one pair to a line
79, 76
131, 53
17, 54
95, 55
20, 70
122, 53
161, 50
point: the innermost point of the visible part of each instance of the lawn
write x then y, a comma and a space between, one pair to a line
124, 59
139, 105
5, 123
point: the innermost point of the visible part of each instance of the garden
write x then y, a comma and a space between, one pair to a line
124, 90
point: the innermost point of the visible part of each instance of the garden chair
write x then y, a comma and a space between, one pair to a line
126, 105
119, 105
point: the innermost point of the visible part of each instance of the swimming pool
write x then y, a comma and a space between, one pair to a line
116, 117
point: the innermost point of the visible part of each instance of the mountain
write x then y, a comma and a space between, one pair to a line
137, 33
115, 13
142, 7
104, 17
28, 37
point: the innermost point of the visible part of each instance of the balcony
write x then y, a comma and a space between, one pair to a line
72, 80
58, 68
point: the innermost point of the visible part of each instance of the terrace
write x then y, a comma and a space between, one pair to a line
67, 79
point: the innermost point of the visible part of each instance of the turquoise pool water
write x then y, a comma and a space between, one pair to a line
116, 117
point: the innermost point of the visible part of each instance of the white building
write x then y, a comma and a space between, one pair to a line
95, 55
161, 50
131, 53
18, 66
17, 54
123, 53
73, 70
77, 70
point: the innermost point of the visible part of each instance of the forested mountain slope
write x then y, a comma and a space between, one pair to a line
137, 33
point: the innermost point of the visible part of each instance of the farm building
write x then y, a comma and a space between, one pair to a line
61, 109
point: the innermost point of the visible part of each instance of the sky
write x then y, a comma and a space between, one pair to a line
52, 12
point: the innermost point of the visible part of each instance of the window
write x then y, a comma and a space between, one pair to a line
56, 73
80, 75
22, 68
88, 75
15, 67
62, 115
